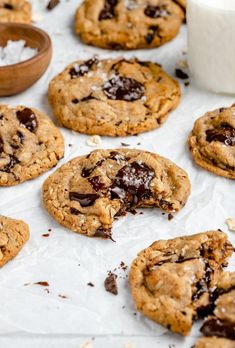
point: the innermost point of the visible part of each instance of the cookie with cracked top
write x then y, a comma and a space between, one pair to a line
88, 192
174, 282
212, 142
13, 235
128, 24
15, 11
30, 144
114, 97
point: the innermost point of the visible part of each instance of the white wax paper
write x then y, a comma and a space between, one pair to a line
30, 317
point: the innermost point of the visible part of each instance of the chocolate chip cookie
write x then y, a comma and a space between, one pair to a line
174, 282
113, 97
214, 342
15, 11
128, 24
212, 142
87, 193
182, 3
13, 235
30, 144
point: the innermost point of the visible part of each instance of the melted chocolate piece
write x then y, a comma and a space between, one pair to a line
27, 118
132, 183
87, 171
13, 161
82, 69
8, 6
1, 146
156, 11
85, 200
219, 328
224, 134
96, 184
123, 88
110, 283
203, 285
74, 211
153, 30
108, 11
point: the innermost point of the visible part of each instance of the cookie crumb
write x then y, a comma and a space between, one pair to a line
94, 140
52, 4
37, 17
110, 283
90, 284
183, 64
42, 283
231, 224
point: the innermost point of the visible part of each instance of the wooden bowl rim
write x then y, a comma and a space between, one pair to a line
46, 45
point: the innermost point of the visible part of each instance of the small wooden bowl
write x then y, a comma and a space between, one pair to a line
18, 77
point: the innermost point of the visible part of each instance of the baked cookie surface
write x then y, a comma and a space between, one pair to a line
212, 142
87, 193
113, 97
15, 11
172, 280
13, 235
30, 144
214, 342
128, 24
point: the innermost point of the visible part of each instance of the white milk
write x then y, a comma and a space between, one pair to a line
211, 43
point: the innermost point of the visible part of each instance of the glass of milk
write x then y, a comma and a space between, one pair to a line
211, 44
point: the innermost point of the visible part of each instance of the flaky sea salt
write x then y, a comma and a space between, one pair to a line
15, 52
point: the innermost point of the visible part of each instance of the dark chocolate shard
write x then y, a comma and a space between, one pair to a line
96, 183
27, 118
52, 4
123, 88
85, 200
8, 6
181, 74
224, 134
104, 233
110, 283
108, 12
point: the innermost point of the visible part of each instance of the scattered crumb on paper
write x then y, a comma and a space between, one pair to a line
231, 224
94, 140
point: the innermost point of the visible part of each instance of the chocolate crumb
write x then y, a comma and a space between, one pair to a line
70, 145
62, 296
124, 144
47, 290
90, 284
110, 283
187, 84
52, 4
46, 235
43, 283
181, 74
170, 217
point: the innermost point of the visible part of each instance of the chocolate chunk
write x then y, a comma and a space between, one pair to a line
52, 4
110, 283
74, 211
27, 118
224, 134
219, 328
90, 284
75, 101
132, 183
85, 200
96, 184
153, 30
1, 146
8, 6
123, 88
181, 74
203, 285
13, 161
20, 136
156, 11
108, 11
82, 69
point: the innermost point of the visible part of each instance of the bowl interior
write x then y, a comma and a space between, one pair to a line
32, 37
